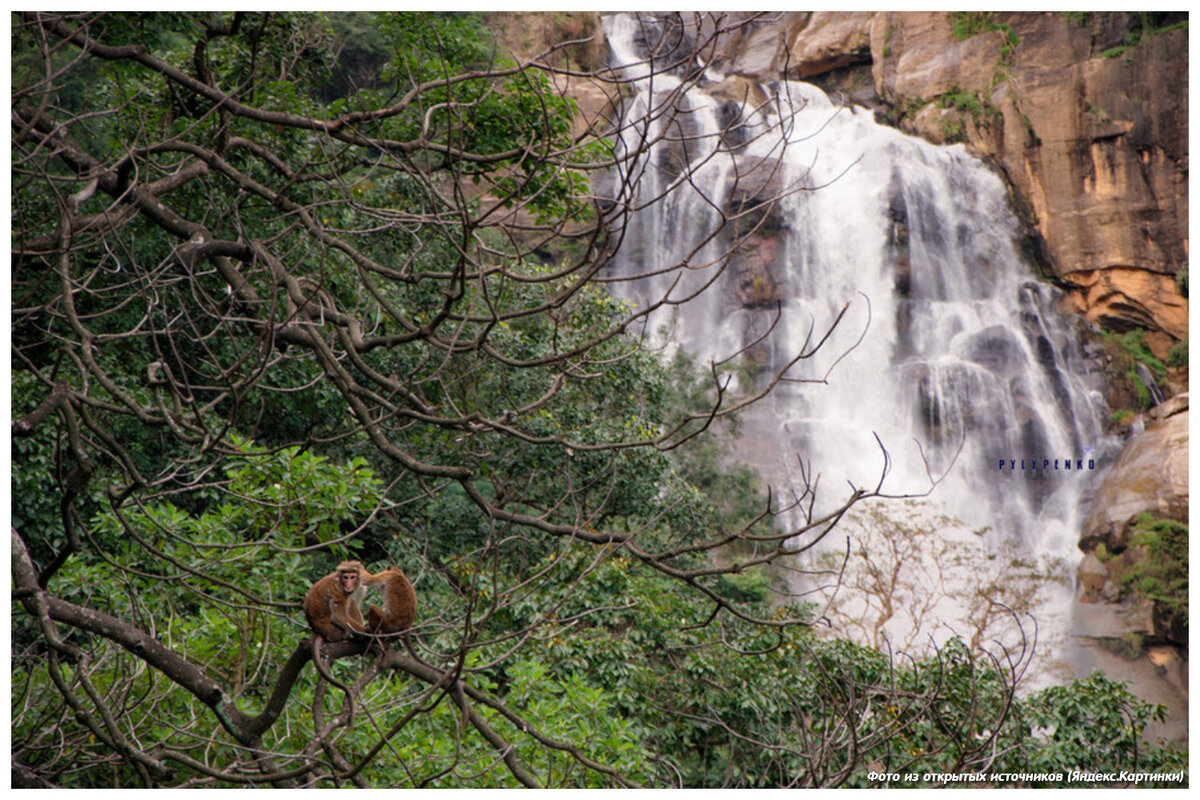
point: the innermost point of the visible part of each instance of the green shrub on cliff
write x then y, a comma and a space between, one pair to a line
1127, 350
1161, 576
1142, 26
1178, 357
1134, 343
968, 24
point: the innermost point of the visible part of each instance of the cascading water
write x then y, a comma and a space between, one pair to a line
950, 351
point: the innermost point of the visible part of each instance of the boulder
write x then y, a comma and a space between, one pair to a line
755, 180
1170, 626
792, 44
1170, 407
753, 47
1170, 664
753, 266
1149, 475
740, 91
1108, 621
1092, 573
829, 40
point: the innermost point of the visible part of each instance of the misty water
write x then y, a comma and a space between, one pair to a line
950, 353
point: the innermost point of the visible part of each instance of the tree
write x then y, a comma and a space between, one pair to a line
264, 320
913, 577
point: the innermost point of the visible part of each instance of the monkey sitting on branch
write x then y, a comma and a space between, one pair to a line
333, 608
399, 604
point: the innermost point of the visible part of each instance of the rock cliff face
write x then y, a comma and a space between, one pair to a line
1133, 589
1149, 476
1086, 114
1096, 144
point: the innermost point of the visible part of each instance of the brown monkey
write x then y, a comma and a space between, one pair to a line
334, 603
399, 602
334, 612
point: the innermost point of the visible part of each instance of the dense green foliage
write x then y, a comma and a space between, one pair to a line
289, 289
620, 664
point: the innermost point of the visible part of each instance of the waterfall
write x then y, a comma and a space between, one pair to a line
950, 350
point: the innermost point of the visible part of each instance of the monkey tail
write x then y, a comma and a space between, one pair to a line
317, 641
381, 636
406, 638
380, 632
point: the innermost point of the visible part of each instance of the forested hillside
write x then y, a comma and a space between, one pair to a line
294, 289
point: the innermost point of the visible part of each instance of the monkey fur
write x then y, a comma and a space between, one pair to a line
399, 602
333, 610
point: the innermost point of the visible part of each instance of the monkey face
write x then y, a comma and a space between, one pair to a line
348, 581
